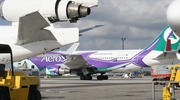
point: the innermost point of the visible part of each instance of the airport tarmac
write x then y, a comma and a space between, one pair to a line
113, 89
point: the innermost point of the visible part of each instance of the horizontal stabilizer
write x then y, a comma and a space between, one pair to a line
166, 55
88, 29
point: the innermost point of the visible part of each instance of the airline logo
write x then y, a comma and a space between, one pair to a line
53, 59
174, 38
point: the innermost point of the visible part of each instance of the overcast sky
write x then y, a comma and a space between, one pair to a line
139, 21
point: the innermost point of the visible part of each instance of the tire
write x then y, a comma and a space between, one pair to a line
89, 77
99, 77
105, 77
34, 94
4, 95
82, 77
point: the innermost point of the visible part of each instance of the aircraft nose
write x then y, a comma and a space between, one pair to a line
173, 16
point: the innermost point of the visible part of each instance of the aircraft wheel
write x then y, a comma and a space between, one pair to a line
34, 94
89, 77
99, 77
4, 94
82, 77
105, 77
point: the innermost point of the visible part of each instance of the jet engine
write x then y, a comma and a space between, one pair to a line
53, 10
62, 71
56, 70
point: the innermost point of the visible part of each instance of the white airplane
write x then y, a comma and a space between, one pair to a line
34, 34
173, 16
85, 63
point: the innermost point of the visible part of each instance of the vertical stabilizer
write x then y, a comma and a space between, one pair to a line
167, 40
72, 48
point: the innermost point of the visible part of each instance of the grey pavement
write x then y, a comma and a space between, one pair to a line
112, 89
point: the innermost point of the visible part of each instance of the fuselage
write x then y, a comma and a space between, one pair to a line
106, 60
125, 60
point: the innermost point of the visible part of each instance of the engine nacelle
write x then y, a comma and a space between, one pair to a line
63, 71
77, 10
53, 10
56, 70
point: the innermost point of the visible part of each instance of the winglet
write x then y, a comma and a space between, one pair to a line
72, 48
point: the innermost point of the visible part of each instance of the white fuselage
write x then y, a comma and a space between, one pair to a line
121, 55
20, 52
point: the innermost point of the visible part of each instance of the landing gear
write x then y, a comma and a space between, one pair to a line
86, 77
102, 77
82, 77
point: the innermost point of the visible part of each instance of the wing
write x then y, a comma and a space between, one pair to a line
167, 55
88, 29
76, 61
31, 29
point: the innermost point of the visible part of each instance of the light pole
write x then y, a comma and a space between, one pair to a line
123, 39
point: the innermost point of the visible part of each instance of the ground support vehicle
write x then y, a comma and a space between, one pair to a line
16, 85
160, 73
169, 86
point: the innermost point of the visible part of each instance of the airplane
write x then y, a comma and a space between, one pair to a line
34, 35
85, 63
32, 32
173, 16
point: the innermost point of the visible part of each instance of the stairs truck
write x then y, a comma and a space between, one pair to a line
171, 86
